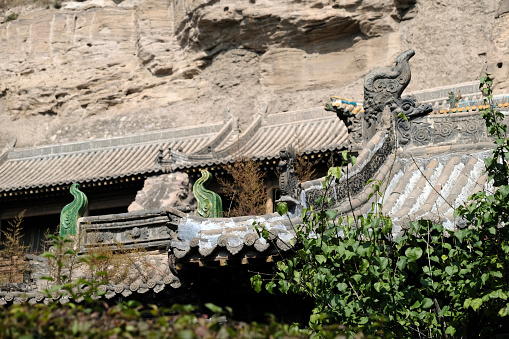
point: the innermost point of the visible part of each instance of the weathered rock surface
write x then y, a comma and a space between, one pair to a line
100, 68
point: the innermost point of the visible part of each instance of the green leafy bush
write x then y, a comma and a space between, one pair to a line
428, 282
129, 320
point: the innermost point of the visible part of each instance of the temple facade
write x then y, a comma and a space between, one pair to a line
139, 187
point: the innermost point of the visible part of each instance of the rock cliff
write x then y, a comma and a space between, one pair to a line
100, 68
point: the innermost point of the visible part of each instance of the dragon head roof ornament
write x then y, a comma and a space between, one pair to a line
383, 86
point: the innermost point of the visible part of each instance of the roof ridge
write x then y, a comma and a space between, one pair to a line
114, 142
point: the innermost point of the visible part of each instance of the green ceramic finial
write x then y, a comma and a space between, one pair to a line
209, 203
72, 211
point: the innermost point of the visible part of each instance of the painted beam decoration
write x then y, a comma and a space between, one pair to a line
209, 203
73, 211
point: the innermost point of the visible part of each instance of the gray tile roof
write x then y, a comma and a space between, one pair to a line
231, 234
432, 187
312, 130
426, 186
97, 159
309, 131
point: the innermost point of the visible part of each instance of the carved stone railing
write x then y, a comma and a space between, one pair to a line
141, 229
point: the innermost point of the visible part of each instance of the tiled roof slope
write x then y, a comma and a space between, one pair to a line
98, 159
310, 131
427, 186
231, 234
432, 187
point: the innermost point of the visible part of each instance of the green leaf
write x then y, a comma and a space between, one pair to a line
496, 274
318, 201
186, 334
284, 286
331, 214
402, 261
342, 287
413, 253
214, 308
320, 258
402, 116
448, 270
335, 172
345, 154
415, 305
364, 265
450, 330
363, 320
476, 304
282, 208
256, 282
378, 285
48, 255
460, 234
427, 303
503, 190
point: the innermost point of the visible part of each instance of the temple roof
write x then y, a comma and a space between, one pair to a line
96, 160
311, 131
426, 184
432, 186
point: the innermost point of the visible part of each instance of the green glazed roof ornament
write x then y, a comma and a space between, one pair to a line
209, 203
72, 211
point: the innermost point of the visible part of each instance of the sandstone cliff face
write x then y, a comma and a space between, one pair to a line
99, 68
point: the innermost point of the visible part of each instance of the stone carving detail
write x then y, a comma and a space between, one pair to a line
412, 110
356, 183
471, 129
383, 85
444, 131
421, 135
141, 229
166, 190
139, 233
289, 185
73, 211
349, 115
209, 203
99, 237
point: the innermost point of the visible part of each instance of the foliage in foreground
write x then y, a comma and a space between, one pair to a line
428, 282
131, 321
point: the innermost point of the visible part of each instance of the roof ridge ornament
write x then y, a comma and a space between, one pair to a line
209, 203
289, 185
73, 211
382, 85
